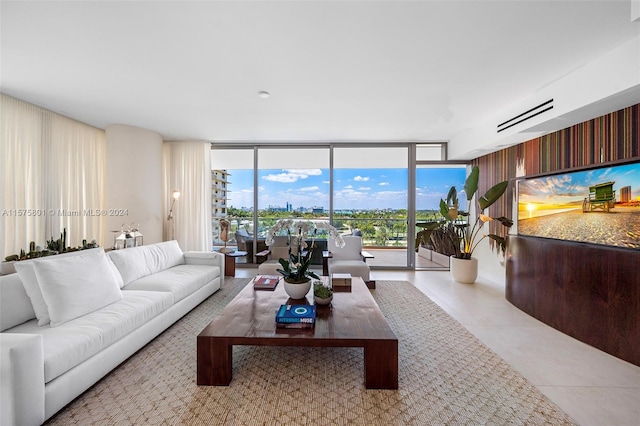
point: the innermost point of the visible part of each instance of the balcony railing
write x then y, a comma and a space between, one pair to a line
376, 232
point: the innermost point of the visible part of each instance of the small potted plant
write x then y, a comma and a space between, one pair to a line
322, 294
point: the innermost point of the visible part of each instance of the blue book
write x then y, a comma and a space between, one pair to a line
296, 314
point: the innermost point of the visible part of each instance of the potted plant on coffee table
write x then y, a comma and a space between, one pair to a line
464, 267
296, 269
322, 294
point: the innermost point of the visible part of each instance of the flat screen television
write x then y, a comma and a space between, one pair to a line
599, 205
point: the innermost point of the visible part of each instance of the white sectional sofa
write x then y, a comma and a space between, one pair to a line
67, 320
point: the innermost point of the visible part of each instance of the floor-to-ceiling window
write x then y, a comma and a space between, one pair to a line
232, 180
370, 193
379, 190
293, 182
433, 180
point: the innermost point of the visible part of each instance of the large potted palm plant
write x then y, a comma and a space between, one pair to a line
464, 267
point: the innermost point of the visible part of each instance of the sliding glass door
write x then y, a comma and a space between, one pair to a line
433, 182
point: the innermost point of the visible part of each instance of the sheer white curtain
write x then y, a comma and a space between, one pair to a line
187, 168
52, 176
76, 156
22, 194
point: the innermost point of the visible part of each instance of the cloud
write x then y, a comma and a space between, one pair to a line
306, 172
383, 183
402, 194
292, 175
348, 187
309, 188
350, 194
364, 188
361, 178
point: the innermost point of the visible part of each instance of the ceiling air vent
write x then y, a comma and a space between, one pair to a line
537, 110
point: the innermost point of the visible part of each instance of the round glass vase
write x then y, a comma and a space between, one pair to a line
297, 290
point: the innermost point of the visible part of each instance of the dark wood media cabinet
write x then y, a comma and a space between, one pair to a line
589, 292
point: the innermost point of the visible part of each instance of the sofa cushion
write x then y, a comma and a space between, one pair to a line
180, 281
75, 286
137, 262
15, 305
28, 277
76, 341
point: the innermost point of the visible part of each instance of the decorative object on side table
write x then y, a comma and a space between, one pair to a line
225, 226
464, 268
129, 236
322, 294
295, 270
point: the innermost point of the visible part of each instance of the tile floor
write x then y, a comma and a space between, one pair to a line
594, 388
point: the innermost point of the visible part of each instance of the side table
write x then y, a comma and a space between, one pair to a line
230, 262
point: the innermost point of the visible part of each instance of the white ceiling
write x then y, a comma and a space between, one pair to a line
336, 70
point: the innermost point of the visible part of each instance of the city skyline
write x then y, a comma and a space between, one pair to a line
354, 189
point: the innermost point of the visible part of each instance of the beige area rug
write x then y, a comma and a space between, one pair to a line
446, 377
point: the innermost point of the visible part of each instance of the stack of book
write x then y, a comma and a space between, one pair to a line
296, 316
266, 282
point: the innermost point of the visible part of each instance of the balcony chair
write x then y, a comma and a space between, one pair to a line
244, 242
241, 239
279, 249
349, 259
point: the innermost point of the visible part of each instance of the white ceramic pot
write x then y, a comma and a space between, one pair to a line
464, 270
297, 290
322, 301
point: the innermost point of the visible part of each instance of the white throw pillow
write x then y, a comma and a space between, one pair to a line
75, 286
27, 275
29, 280
138, 262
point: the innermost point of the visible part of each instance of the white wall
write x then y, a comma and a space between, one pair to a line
134, 181
491, 264
604, 85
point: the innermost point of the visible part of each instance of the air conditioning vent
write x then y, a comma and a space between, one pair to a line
537, 110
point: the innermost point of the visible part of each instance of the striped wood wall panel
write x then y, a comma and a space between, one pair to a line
615, 136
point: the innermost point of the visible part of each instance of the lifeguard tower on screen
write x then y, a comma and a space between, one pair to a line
601, 197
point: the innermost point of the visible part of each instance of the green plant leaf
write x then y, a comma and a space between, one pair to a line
492, 194
471, 184
452, 197
285, 265
449, 212
505, 221
502, 243
444, 208
426, 232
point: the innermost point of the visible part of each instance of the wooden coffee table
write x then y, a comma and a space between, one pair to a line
352, 320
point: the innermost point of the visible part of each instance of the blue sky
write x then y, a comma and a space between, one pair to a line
574, 187
354, 189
